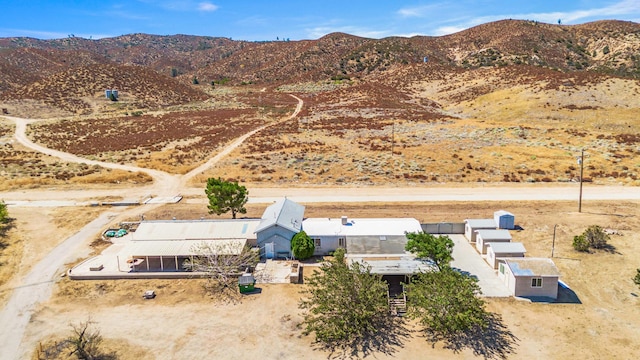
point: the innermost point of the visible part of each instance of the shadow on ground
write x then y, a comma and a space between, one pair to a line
386, 337
493, 342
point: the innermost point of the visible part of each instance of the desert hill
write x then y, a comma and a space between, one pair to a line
604, 46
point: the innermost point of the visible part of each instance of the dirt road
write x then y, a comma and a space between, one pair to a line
36, 287
37, 284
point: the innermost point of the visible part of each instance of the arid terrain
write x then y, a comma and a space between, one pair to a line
182, 317
508, 104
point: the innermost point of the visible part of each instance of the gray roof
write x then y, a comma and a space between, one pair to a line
491, 234
507, 247
404, 265
380, 244
184, 247
284, 213
481, 223
195, 229
532, 266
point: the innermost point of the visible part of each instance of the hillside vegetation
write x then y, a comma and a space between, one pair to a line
508, 101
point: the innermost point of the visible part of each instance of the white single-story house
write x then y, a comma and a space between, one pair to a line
279, 223
498, 250
504, 219
164, 245
530, 277
360, 235
472, 225
484, 237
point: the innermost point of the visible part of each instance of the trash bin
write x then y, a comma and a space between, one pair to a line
246, 283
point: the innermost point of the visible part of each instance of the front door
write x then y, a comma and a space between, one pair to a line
269, 250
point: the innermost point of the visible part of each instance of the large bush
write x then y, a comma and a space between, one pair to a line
593, 237
302, 246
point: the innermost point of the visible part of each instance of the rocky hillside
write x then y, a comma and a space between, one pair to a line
148, 65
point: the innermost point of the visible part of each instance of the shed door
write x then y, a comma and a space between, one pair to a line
268, 250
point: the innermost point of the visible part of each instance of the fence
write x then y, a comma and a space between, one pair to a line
443, 228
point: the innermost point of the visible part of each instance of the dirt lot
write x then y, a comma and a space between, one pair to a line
183, 322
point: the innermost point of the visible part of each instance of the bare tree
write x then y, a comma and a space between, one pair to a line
223, 261
85, 342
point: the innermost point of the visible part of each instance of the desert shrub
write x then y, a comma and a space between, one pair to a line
593, 237
580, 243
636, 279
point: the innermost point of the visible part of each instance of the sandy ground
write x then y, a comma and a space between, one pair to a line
182, 322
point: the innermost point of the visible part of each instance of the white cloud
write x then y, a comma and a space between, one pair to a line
625, 8
207, 6
419, 11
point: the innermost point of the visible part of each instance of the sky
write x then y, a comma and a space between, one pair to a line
262, 20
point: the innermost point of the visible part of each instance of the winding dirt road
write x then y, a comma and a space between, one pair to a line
37, 285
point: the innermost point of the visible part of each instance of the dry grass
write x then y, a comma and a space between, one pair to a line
608, 311
34, 232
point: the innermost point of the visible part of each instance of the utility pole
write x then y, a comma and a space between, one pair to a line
553, 245
393, 136
581, 162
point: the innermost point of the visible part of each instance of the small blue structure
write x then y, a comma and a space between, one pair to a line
107, 93
504, 219
426, 59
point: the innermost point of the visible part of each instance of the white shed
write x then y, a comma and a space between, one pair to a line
498, 250
504, 219
530, 277
486, 236
471, 225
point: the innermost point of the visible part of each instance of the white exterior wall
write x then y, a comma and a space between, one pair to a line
482, 244
468, 233
521, 285
493, 259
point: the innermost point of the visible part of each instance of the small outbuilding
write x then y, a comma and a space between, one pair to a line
504, 219
472, 225
498, 250
484, 237
530, 277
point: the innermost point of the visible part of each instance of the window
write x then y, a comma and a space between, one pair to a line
342, 243
501, 268
536, 282
317, 243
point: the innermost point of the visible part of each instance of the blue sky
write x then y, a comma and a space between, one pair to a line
295, 20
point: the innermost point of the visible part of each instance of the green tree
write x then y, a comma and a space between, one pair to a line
636, 279
302, 246
4, 213
344, 303
225, 196
427, 246
195, 81
446, 302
